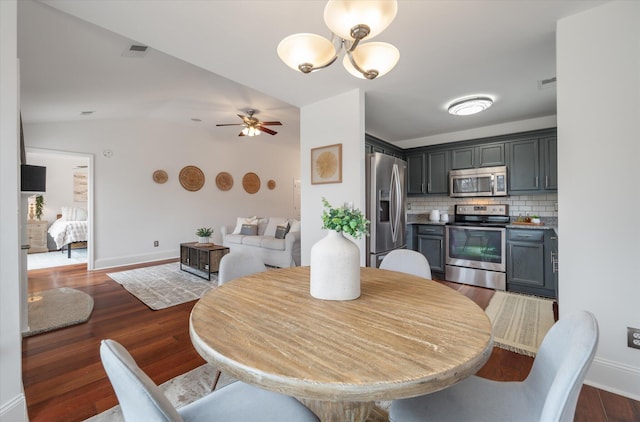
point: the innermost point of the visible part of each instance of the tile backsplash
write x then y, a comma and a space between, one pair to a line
543, 205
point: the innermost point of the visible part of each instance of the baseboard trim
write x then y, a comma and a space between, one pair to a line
103, 264
614, 377
15, 410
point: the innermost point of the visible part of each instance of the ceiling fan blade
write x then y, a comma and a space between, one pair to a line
230, 124
270, 123
267, 130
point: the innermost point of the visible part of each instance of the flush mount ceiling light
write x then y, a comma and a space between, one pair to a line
467, 106
350, 22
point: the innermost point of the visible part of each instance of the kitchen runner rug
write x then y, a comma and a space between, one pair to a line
48, 310
189, 387
519, 322
162, 286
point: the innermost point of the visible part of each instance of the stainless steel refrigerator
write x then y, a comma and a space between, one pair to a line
386, 201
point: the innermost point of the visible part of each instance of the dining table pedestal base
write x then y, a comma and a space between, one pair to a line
339, 411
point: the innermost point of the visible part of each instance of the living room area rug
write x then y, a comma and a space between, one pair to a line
519, 321
162, 286
49, 310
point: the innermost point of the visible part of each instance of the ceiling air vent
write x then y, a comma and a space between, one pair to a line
547, 83
135, 50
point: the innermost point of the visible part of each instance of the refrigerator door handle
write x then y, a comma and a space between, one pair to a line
395, 199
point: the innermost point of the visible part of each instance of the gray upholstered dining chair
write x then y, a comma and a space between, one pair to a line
238, 264
549, 393
407, 261
142, 400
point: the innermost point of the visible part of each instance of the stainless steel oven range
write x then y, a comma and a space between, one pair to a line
476, 246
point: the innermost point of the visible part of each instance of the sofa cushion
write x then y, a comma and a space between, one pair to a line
281, 231
294, 225
234, 238
274, 222
273, 243
262, 225
252, 240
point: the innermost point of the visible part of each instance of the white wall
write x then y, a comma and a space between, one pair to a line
12, 401
336, 120
598, 71
131, 210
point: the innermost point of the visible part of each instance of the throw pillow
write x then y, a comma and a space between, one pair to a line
281, 231
273, 223
241, 221
249, 229
294, 225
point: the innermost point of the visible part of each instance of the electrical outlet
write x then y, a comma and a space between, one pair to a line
156, 243
633, 337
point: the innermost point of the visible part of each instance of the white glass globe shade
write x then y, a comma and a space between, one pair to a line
378, 56
297, 49
342, 15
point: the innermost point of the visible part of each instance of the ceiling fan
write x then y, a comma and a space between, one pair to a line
252, 126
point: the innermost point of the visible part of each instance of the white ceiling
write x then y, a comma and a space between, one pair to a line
448, 49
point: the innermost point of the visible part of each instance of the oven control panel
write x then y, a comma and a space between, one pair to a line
501, 210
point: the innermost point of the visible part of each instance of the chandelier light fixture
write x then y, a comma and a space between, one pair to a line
468, 106
350, 22
251, 131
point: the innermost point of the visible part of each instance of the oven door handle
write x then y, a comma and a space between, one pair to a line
395, 199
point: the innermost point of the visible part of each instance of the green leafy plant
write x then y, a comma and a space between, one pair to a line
39, 206
350, 221
204, 232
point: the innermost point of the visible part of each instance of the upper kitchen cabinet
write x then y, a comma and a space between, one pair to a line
427, 173
373, 144
533, 165
489, 155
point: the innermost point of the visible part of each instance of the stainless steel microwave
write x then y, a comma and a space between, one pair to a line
486, 181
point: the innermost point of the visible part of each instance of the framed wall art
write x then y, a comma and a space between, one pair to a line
326, 164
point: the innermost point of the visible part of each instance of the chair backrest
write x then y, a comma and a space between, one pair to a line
238, 264
140, 398
561, 365
407, 261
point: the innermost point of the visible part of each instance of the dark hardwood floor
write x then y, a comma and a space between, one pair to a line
64, 380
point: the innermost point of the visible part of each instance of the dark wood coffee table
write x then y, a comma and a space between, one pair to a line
201, 259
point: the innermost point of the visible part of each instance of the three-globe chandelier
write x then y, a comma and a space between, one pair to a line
350, 22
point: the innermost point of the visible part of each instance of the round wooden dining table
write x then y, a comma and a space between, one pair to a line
404, 336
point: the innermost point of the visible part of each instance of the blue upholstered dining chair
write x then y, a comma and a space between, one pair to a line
142, 400
407, 261
549, 393
238, 264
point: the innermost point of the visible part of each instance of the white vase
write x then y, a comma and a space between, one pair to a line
335, 268
203, 240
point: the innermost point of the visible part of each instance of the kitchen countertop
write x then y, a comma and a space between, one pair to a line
424, 219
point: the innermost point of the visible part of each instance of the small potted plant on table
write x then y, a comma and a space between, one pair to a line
204, 233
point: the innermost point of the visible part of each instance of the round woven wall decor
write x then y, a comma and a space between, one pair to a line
271, 184
251, 183
160, 176
224, 181
191, 178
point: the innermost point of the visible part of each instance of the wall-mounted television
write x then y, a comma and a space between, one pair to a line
33, 178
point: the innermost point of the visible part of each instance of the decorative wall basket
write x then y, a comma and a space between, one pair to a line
160, 176
271, 184
224, 181
251, 183
335, 268
191, 178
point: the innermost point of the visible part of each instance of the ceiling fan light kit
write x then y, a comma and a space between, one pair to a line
350, 22
468, 106
252, 126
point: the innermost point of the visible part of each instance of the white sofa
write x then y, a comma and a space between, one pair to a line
264, 244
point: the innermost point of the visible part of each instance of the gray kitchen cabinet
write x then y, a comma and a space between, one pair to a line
532, 261
428, 173
415, 174
533, 166
429, 241
438, 172
549, 152
489, 155
524, 167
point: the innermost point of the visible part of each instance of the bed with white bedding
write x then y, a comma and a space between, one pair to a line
71, 227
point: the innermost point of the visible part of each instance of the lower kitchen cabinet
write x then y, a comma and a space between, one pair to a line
429, 241
532, 262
